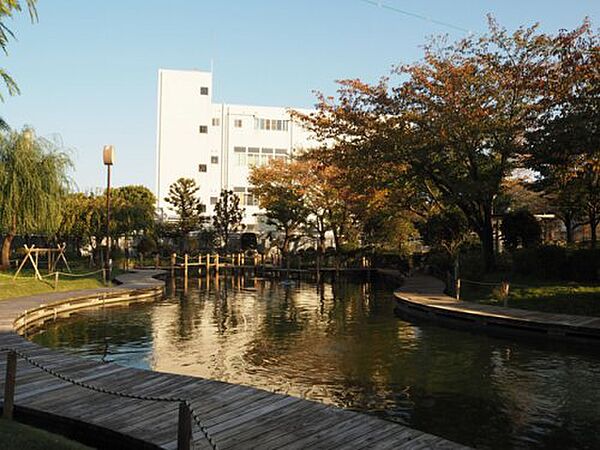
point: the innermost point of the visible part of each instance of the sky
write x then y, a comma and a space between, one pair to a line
88, 69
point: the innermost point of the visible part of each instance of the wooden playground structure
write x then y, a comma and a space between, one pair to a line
55, 256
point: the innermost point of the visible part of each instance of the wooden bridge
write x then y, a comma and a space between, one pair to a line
107, 405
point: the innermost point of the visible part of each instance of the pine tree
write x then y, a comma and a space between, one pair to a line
188, 207
228, 215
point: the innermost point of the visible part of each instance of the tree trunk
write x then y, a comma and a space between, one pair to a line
6, 244
486, 235
568, 221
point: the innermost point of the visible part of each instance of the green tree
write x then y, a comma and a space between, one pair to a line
188, 207
8, 8
134, 209
520, 229
33, 182
228, 215
445, 230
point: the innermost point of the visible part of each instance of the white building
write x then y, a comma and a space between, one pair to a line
216, 144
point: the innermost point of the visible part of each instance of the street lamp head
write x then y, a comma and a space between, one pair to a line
28, 134
108, 155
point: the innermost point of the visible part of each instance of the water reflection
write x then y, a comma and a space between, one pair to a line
341, 344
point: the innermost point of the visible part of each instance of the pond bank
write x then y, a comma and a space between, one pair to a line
234, 416
423, 296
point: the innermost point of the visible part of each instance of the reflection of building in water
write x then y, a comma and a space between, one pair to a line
297, 340
204, 334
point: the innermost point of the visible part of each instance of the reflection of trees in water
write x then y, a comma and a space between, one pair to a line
93, 330
340, 343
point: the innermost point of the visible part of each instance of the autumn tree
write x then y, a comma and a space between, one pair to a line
280, 195
186, 205
565, 146
450, 131
228, 215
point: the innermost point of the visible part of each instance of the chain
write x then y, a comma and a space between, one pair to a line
102, 390
74, 275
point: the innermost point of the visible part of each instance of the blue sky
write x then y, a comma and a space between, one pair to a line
88, 69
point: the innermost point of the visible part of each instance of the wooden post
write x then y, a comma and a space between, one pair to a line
458, 289
156, 261
199, 264
208, 264
505, 290
55, 280
104, 275
184, 427
9, 385
243, 258
217, 264
185, 266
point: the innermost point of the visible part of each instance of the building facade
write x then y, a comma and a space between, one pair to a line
217, 144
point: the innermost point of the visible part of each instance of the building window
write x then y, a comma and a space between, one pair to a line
240, 159
270, 124
202, 208
203, 90
216, 122
214, 160
201, 167
214, 200
253, 160
203, 129
237, 123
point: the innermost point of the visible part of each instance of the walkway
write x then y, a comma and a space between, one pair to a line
423, 296
234, 416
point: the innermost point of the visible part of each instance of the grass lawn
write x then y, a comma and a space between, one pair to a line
16, 436
557, 297
26, 284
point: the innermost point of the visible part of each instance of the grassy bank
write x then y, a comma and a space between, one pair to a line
16, 436
531, 294
26, 284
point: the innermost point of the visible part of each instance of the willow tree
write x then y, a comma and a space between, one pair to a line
33, 182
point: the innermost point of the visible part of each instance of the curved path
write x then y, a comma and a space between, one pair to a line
423, 296
235, 416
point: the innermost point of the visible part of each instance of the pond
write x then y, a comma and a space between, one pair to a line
342, 345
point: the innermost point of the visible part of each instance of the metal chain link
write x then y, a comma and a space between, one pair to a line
102, 390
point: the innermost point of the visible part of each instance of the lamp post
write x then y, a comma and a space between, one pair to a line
108, 156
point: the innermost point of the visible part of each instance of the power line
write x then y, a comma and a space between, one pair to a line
415, 15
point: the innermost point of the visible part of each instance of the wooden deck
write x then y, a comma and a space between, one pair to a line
424, 296
235, 416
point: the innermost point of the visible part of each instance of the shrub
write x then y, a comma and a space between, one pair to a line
584, 265
520, 229
548, 262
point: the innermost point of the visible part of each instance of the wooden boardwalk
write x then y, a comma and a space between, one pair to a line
424, 296
236, 417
